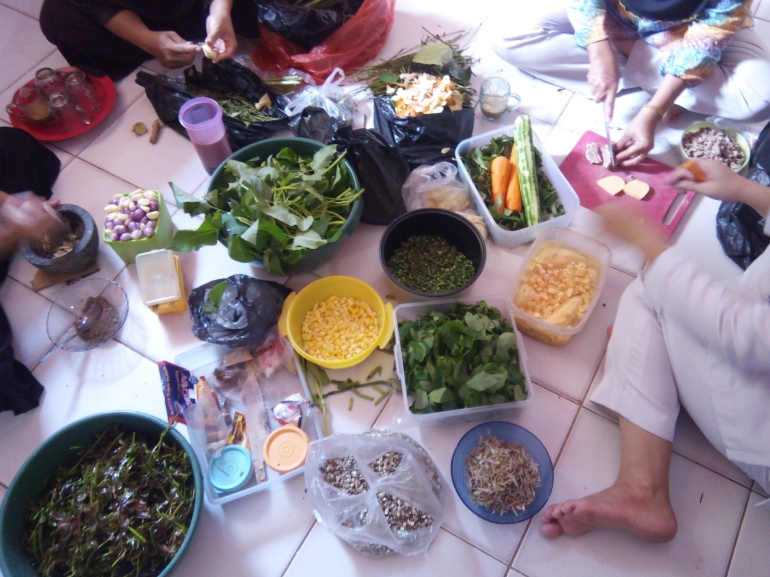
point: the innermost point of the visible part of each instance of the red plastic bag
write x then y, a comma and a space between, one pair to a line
351, 46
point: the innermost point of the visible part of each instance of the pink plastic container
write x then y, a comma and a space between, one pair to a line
202, 118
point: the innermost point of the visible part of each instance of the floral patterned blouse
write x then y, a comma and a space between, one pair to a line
694, 45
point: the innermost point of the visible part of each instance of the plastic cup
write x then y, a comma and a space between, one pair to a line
202, 118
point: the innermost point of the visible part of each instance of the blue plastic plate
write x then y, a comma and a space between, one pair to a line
511, 433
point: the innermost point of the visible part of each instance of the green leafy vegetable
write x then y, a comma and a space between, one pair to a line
214, 298
122, 508
275, 209
477, 162
466, 357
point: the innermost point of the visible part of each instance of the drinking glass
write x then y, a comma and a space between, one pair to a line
49, 81
67, 118
496, 98
82, 92
30, 104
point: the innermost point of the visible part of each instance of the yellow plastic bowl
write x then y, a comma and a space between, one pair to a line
297, 306
739, 139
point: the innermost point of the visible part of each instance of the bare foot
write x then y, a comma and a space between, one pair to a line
641, 513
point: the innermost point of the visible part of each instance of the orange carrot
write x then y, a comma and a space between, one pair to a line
500, 171
513, 193
693, 167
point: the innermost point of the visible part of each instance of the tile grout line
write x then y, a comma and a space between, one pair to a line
464, 540
294, 556
737, 535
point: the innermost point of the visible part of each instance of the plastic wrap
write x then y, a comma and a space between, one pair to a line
436, 186
352, 45
358, 519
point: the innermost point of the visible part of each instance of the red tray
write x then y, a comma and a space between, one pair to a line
106, 89
582, 175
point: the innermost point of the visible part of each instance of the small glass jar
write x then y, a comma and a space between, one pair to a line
83, 94
49, 81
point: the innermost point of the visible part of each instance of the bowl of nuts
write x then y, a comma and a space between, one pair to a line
137, 222
706, 140
559, 285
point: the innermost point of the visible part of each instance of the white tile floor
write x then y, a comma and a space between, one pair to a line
721, 533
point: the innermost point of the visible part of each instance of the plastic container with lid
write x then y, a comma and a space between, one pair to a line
286, 448
410, 311
506, 238
231, 468
595, 254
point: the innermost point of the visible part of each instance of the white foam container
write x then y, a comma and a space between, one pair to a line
506, 238
409, 312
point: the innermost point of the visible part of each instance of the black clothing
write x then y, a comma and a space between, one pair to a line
665, 10
25, 164
77, 29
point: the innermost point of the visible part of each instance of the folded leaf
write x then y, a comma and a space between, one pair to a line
308, 239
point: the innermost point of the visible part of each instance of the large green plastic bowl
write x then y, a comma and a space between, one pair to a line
306, 147
31, 480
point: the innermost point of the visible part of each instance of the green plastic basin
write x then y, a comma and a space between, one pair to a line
31, 480
306, 147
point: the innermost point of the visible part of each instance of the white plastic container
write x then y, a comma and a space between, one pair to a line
202, 361
158, 279
506, 238
595, 253
411, 311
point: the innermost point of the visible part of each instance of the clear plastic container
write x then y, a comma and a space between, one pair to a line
596, 256
202, 361
202, 118
506, 238
411, 311
158, 280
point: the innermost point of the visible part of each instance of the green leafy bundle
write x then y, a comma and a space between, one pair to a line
477, 163
436, 55
123, 508
276, 209
466, 357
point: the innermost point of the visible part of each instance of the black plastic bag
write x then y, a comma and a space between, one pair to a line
167, 95
426, 139
382, 170
316, 124
248, 309
307, 27
740, 228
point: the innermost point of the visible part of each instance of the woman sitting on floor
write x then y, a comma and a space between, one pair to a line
113, 37
680, 337
702, 55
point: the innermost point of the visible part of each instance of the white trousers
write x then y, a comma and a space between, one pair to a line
653, 364
737, 88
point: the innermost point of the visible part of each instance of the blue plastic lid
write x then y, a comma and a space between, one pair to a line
231, 469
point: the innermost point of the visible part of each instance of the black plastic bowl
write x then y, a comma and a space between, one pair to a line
59, 449
455, 229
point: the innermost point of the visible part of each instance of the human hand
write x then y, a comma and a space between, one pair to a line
221, 35
173, 51
25, 217
633, 227
718, 181
638, 139
603, 74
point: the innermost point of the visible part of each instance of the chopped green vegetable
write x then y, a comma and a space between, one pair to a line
431, 265
350, 404
477, 163
375, 371
123, 508
275, 210
466, 357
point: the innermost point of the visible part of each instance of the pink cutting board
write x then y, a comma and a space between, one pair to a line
582, 175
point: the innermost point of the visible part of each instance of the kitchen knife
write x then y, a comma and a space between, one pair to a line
607, 134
